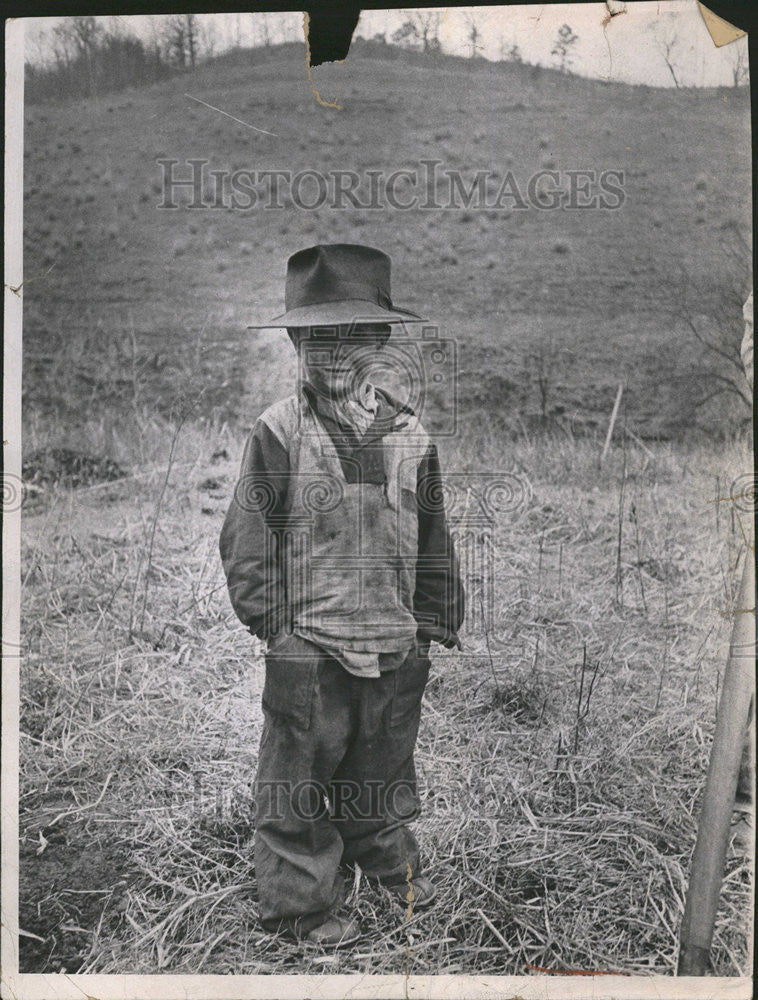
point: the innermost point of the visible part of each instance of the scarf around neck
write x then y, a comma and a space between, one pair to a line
360, 410
357, 411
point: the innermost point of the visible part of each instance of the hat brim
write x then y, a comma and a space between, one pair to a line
346, 312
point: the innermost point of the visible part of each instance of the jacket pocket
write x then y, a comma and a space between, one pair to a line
291, 671
410, 680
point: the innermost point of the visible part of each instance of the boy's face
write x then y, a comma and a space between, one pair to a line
337, 366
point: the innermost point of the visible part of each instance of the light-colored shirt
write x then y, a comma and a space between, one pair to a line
372, 664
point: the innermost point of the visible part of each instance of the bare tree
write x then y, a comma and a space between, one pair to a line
406, 34
473, 33
427, 24
43, 45
544, 367
262, 28
181, 37
207, 38
666, 46
564, 45
157, 50
715, 370
421, 29
509, 53
192, 37
116, 28
86, 57
175, 40
62, 46
86, 32
78, 38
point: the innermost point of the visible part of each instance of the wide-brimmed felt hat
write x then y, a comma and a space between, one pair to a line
338, 284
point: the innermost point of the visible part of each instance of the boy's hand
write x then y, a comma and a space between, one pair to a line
441, 635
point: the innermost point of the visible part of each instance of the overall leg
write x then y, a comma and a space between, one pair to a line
375, 785
308, 705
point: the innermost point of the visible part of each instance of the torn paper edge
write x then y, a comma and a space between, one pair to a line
721, 31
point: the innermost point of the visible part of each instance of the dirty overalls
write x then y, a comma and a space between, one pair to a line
336, 781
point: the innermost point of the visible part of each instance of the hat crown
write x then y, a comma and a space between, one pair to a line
338, 284
334, 272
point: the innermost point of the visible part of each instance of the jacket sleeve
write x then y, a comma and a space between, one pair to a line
438, 603
250, 537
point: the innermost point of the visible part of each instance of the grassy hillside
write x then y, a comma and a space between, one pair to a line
142, 305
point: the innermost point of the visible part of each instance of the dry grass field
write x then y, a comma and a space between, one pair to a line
560, 806
562, 754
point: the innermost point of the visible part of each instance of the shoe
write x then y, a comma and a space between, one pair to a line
423, 893
334, 932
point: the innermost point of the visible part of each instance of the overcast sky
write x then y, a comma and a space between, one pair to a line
628, 48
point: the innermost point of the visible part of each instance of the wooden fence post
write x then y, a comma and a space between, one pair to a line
611, 425
709, 856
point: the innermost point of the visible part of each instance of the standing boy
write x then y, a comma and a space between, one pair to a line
337, 553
